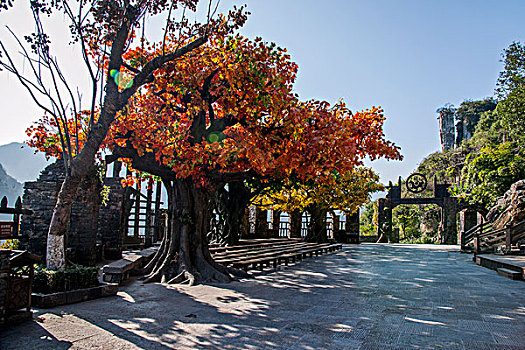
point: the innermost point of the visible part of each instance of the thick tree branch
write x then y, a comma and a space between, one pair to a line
146, 75
147, 162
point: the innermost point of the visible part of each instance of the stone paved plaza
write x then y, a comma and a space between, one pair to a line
365, 297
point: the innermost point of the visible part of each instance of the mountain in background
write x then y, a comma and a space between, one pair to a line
21, 162
9, 187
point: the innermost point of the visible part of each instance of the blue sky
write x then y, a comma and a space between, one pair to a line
410, 57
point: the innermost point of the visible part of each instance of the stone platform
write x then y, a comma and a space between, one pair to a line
369, 296
504, 264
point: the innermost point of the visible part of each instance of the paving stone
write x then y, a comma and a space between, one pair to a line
368, 296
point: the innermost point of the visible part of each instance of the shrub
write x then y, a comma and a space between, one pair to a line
77, 277
12, 244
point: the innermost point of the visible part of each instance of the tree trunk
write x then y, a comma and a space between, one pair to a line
230, 207
295, 219
184, 255
60, 222
317, 226
80, 166
239, 198
113, 102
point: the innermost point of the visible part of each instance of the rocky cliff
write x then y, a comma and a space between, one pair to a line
510, 209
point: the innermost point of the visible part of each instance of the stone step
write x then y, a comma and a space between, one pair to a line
510, 274
119, 270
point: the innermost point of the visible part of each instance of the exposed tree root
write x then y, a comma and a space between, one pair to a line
184, 256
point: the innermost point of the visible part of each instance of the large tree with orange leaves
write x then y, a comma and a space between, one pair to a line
227, 113
104, 31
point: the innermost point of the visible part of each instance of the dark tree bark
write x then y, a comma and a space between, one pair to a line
184, 255
239, 198
295, 223
317, 226
230, 206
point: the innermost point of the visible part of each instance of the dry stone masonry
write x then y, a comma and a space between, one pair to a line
40, 196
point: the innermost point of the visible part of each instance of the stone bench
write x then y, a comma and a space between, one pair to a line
119, 270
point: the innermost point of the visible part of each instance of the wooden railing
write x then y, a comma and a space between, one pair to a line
10, 229
483, 238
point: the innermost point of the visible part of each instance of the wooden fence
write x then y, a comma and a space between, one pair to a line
482, 238
10, 229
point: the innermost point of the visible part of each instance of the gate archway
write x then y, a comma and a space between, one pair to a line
416, 183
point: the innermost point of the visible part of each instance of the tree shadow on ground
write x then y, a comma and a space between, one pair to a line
367, 297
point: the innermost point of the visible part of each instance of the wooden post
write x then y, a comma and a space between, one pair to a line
462, 240
137, 211
31, 275
117, 165
508, 239
477, 248
16, 217
148, 239
158, 192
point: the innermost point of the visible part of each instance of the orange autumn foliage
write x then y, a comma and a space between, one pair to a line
229, 108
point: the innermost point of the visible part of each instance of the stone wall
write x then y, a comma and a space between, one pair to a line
84, 221
40, 196
110, 219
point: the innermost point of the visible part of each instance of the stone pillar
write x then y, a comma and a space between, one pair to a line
351, 228
159, 224
448, 219
384, 226
352, 222
276, 220
295, 224
335, 222
395, 235
468, 219
245, 224
148, 232
4, 273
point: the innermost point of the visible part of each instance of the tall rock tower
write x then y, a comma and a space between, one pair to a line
446, 127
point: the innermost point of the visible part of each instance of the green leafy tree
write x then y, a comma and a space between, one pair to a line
368, 220
511, 91
470, 112
489, 173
